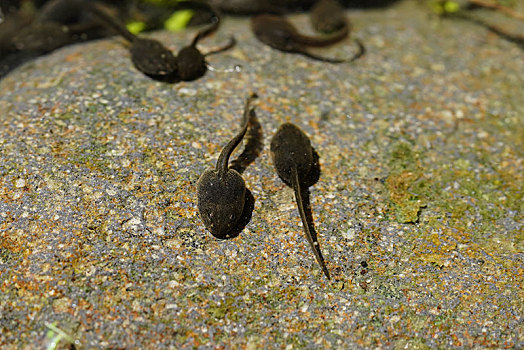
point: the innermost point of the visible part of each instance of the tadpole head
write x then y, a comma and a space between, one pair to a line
152, 58
191, 64
290, 148
221, 201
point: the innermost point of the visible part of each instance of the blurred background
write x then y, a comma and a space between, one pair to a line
30, 28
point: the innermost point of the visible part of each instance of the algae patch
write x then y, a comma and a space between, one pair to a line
405, 174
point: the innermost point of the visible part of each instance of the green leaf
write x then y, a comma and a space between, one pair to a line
136, 27
451, 6
178, 20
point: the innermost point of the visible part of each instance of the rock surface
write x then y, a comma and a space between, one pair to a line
418, 208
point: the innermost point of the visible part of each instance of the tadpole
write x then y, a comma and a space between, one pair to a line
148, 55
83, 24
191, 62
42, 37
221, 192
328, 16
296, 163
276, 32
24, 37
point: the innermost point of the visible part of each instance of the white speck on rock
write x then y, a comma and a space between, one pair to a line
131, 224
19, 183
187, 92
349, 234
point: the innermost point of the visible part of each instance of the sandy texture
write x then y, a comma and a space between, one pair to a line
418, 208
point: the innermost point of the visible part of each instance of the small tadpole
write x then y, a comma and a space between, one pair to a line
148, 55
191, 62
221, 192
328, 16
278, 33
296, 163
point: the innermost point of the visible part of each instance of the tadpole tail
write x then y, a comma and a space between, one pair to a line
108, 20
324, 41
223, 159
361, 52
314, 245
206, 31
198, 5
195, 5
321, 58
232, 42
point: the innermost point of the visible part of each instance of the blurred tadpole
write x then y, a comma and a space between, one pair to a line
466, 11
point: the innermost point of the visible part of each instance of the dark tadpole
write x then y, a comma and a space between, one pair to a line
515, 38
223, 200
24, 37
43, 33
83, 24
58, 23
148, 55
191, 62
33, 40
278, 33
296, 163
328, 16
42, 37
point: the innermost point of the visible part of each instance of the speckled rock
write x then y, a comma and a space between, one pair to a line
418, 208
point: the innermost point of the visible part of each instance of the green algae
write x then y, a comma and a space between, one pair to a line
465, 197
415, 343
6, 256
219, 310
403, 157
405, 174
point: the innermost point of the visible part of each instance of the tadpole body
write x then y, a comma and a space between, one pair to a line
192, 63
294, 160
278, 33
152, 58
221, 192
328, 16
